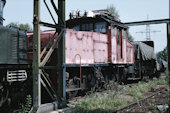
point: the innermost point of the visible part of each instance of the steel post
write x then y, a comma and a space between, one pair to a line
61, 77
36, 58
37, 63
168, 46
168, 42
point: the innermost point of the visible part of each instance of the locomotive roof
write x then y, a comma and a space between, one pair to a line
97, 18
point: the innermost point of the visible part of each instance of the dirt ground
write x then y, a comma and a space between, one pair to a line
161, 96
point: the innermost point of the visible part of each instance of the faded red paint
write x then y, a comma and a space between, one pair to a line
45, 37
90, 47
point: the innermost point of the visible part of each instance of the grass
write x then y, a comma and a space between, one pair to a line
97, 103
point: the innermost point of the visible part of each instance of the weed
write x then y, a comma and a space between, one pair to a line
27, 106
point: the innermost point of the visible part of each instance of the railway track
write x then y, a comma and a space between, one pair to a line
135, 103
129, 108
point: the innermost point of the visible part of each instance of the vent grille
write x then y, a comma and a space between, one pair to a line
18, 75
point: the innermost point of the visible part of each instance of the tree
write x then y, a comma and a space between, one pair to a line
163, 54
115, 13
26, 26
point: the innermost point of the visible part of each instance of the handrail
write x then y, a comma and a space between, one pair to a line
80, 69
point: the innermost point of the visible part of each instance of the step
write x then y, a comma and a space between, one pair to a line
72, 89
133, 78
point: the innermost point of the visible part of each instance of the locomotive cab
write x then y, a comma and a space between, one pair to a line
91, 24
96, 21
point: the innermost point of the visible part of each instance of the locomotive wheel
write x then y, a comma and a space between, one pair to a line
122, 76
4, 93
72, 94
73, 84
113, 78
158, 74
117, 78
106, 78
91, 80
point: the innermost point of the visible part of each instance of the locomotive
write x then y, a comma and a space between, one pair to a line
14, 68
97, 51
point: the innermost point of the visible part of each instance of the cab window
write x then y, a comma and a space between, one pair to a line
114, 31
77, 28
124, 33
91, 27
100, 27
117, 35
84, 27
87, 27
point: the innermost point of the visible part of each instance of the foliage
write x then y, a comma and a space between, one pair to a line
99, 105
113, 11
93, 103
137, 90
163, 54
112, 100
27, 106
26, 26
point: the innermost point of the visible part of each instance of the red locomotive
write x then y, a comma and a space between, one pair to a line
97, 46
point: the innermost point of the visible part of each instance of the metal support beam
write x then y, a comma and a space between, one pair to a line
36, 58
52, 48
168, 42
49, 25
61, 77
39, 76
168, 46
137, 23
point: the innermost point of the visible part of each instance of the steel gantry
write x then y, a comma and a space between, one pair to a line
40, 58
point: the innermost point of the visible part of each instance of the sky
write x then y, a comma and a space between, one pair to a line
129, 10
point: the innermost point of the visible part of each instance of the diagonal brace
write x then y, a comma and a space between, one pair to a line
52, 49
